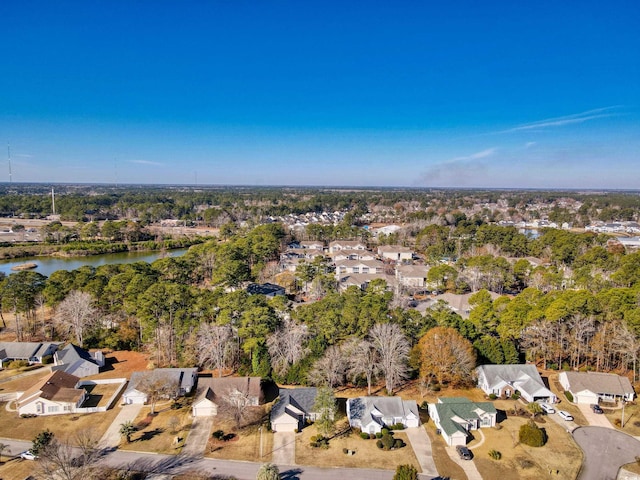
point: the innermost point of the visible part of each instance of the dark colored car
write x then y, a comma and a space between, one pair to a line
464, 453
596, 408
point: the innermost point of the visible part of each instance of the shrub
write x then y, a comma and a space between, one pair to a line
492, 396
530, 434
568, 395
372, 436
516, 395
318, 441
364, 435
435, 387
47, 359
617, 422
218, 434
398, 443
397, 426
15, 364
496, 455
385, 431
379, 444
387, 442
406, 472
378, 435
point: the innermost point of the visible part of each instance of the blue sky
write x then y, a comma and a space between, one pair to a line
435, 94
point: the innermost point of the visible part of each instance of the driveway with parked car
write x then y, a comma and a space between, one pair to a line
594, 419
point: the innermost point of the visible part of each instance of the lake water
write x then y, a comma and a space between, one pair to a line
48, 265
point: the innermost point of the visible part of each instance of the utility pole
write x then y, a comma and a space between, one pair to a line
53, 201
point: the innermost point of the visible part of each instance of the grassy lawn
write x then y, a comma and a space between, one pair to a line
16, 469
63, 426
7, 373
631, 418
367, 455
245, 445
157, 433
24, 383
560, 453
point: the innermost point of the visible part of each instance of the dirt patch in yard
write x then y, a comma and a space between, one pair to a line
367, 454
121, 364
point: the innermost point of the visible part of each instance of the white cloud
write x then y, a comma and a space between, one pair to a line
529, 144
566, 120
146, 162
474, 156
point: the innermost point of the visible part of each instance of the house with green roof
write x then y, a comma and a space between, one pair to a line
455, 417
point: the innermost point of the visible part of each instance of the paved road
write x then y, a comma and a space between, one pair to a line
605, 451
15, 446
467, 465
421, 445
196, 442
111, 437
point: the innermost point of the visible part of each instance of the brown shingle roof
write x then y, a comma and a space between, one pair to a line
57, 387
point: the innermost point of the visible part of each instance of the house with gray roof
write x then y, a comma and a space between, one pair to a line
213, 392
32, 352
591, 387
292, 410
456, 417
504, 380
372, 414
78, 361
182, 380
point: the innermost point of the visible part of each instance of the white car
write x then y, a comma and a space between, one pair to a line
546, 408
28, 455
565, 415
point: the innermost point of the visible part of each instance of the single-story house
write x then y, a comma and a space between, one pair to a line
459, 303
455, 417
362, 280
269, 290
53, 395
504, 380
293, 408
213, 391
395, 253
359, 266
371, 414
32, 352
78, 361
342, 255
182, 381
312, 245
591, 387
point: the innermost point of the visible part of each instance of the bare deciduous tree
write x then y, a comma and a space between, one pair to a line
393, 348
363, 359
330, 369
60, 461
286, 345
157, 384
235, 403
215, 346
75, 315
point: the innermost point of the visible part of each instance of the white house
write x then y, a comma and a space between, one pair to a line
395, 253
53, 395
504, 380
213, 392
412, 275
78, 361
346, 245
456, 417
371, 414
183, 380
293, 408
359, 266
591, 387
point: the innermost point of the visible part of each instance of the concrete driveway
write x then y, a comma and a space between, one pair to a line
594, 419
421, 445
284, 448
605, 451
111, 437
196, 442
467, 465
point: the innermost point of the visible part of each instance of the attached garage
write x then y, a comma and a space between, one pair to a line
204, 408
285, 423
586, 397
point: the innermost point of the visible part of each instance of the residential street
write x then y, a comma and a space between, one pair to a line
605, 451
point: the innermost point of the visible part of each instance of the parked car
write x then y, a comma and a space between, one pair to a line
596, 408
28, 455
464, 453
546, 408
565, 415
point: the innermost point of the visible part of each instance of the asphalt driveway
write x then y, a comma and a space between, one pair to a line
605, 451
